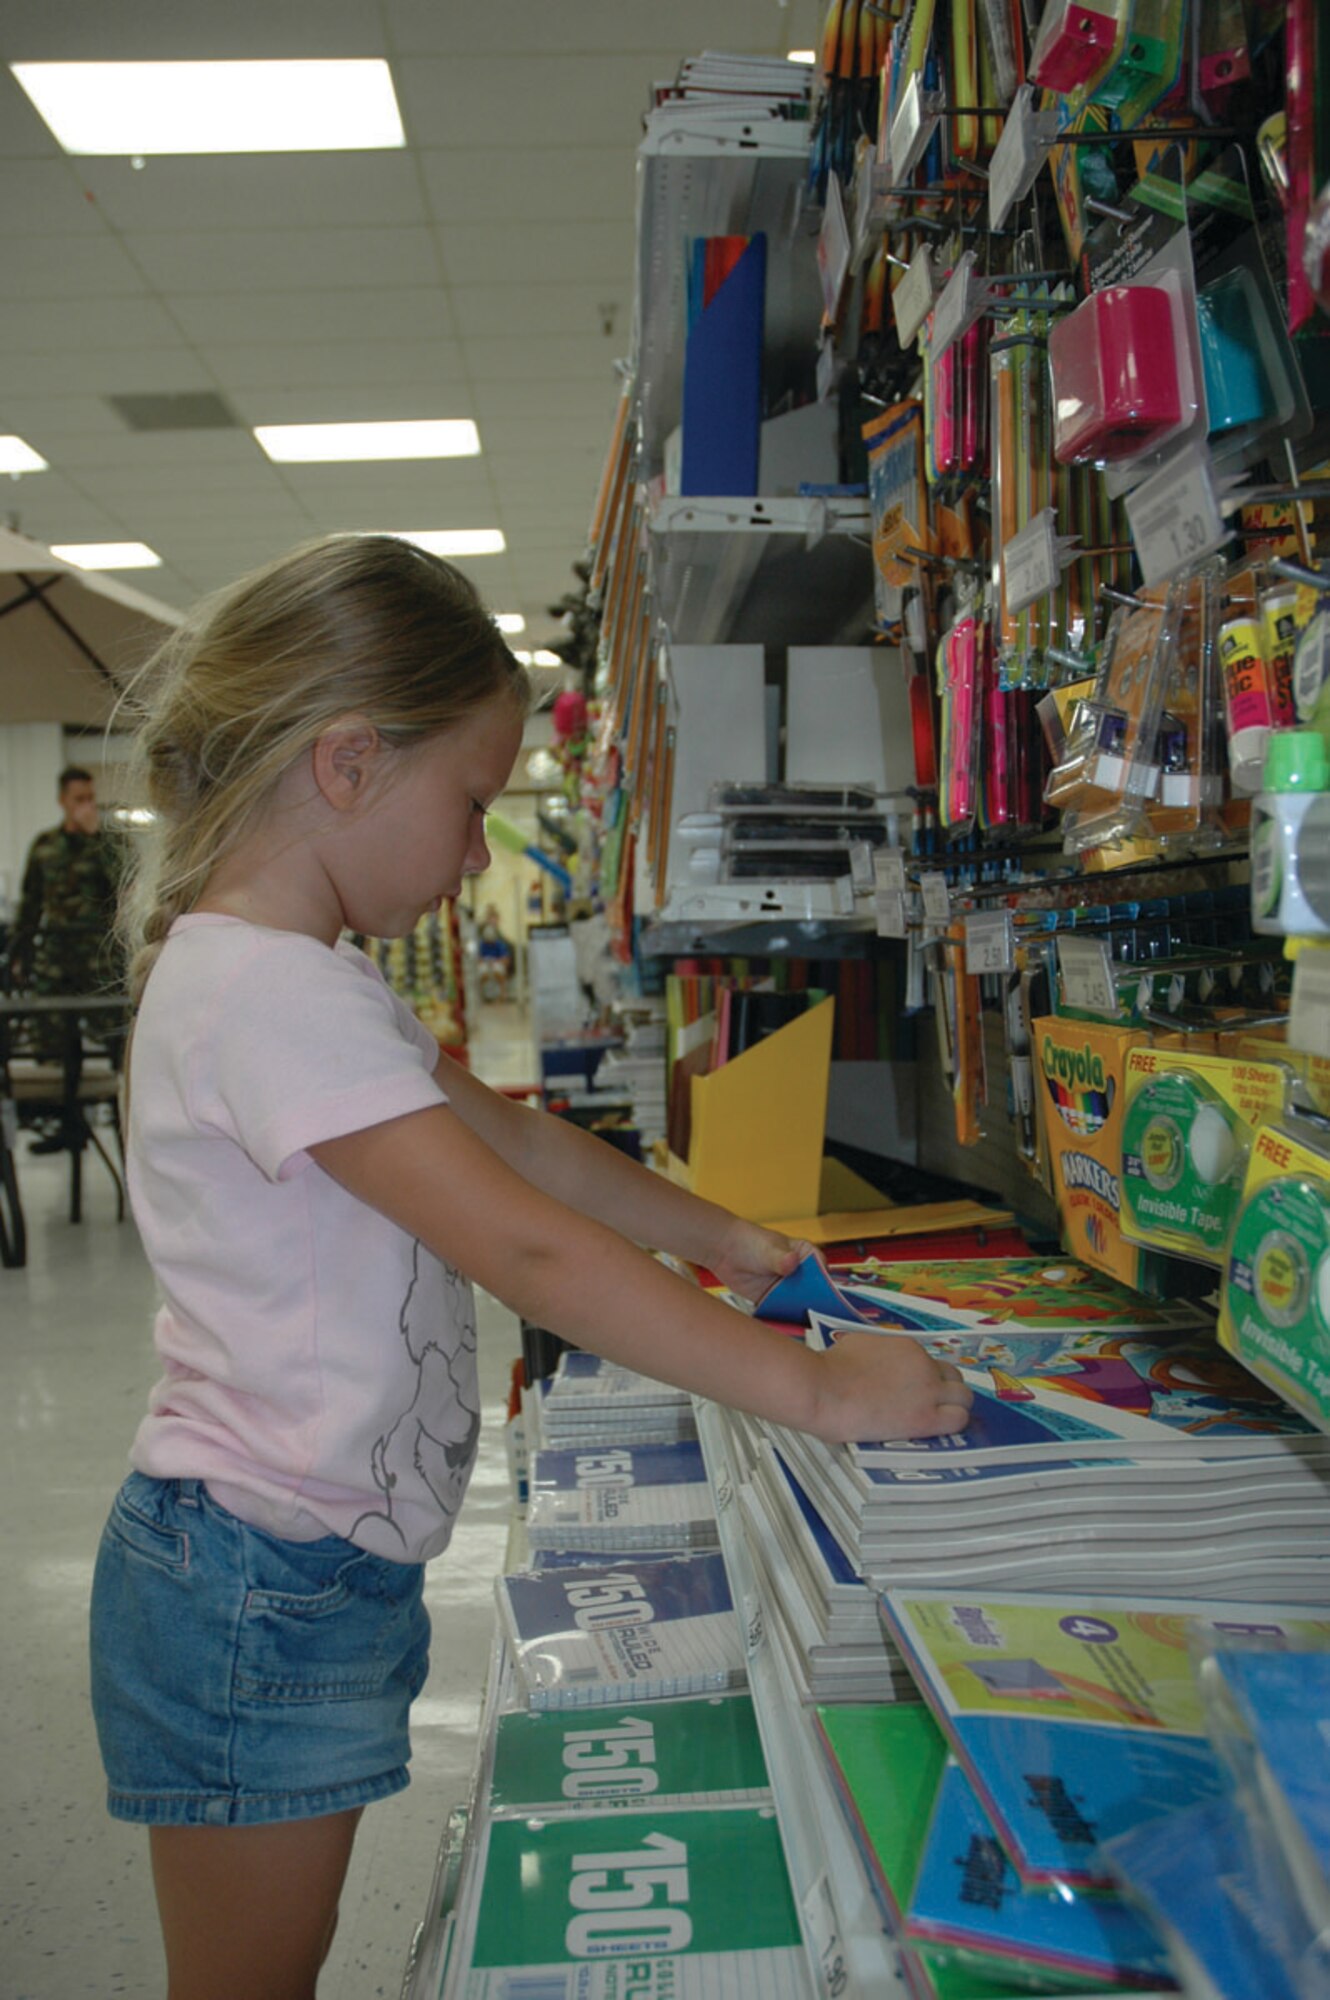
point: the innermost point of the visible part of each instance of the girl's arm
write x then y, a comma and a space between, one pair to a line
588, 1175
435, 1177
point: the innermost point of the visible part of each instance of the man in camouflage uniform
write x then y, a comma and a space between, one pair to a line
63, 938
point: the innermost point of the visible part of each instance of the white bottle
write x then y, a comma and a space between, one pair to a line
1290, 843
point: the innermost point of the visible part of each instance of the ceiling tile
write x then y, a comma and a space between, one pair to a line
534, 27
582, 364
410, 313
340, 364
282, 190
102, 372
557, 306
535, 184
44, 198
69, 267
581, 253
240, 260
89, 31
52, 328
459, 100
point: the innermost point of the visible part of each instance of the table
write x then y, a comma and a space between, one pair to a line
76, 1013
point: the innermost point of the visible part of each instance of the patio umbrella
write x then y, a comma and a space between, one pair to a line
69, 637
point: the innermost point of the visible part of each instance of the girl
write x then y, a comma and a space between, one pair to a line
311, 1182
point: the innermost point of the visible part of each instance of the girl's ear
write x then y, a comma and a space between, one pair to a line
344, 759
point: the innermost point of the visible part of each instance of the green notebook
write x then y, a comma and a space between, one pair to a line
690, 1903
700, 1752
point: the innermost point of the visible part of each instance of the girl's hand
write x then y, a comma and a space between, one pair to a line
883, 1385
749, 1258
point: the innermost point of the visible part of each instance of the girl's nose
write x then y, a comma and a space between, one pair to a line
477, 855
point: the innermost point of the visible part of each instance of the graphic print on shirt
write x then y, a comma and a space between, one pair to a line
432, 1444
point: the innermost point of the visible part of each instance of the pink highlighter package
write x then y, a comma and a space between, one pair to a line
1119, 365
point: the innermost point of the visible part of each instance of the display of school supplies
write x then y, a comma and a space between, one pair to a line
584, 1636
616, 1496
1075, 1717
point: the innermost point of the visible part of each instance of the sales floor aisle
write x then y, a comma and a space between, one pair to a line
76, 1907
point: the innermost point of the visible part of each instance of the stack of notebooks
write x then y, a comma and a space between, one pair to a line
586, 1634
824, 1618
1056, 1727
1108, 1437
590, 1401
609, 1497
638, 1069
603, 1854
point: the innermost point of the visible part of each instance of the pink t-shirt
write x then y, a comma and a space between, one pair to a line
320, 1364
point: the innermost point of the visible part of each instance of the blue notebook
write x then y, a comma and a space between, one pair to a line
722, 382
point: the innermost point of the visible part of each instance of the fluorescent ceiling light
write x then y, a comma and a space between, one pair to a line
107, 555
215, 107
324, 444
15, 456
544, 658
808, 56
455, 541
510, 621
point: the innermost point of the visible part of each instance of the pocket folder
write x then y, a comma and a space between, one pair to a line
759, 1122
722, 382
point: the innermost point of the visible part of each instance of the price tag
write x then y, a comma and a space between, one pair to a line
1031, 562
912, 299
937, 898
889, 868
1174, 515
823, 1932
863, 876
955, 311
911, 129
826, 370
1087, 975
833, 247
889, 913
1309, 1014
1027, 137
988, 941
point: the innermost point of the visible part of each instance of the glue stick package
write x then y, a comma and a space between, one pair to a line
1186, 1136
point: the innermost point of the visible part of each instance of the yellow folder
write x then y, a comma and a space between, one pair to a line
759, 1122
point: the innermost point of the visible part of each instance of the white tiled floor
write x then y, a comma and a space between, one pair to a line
76, 1906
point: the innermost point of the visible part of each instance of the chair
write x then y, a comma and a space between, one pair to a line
33, 1091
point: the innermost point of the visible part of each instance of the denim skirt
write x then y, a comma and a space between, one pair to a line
238, 1679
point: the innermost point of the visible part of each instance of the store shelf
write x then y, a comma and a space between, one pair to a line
765, 937
715, 173
849, 1951
790, 572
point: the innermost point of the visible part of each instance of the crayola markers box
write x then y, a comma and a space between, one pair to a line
1080, 1070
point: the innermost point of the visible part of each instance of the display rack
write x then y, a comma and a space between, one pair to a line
849, 1949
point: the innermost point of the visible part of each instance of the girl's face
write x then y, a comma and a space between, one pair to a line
423, 827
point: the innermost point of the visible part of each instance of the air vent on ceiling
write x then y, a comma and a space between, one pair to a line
193, 410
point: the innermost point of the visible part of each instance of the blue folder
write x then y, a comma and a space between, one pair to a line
722, 382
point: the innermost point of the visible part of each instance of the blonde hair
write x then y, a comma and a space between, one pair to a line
354, 624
